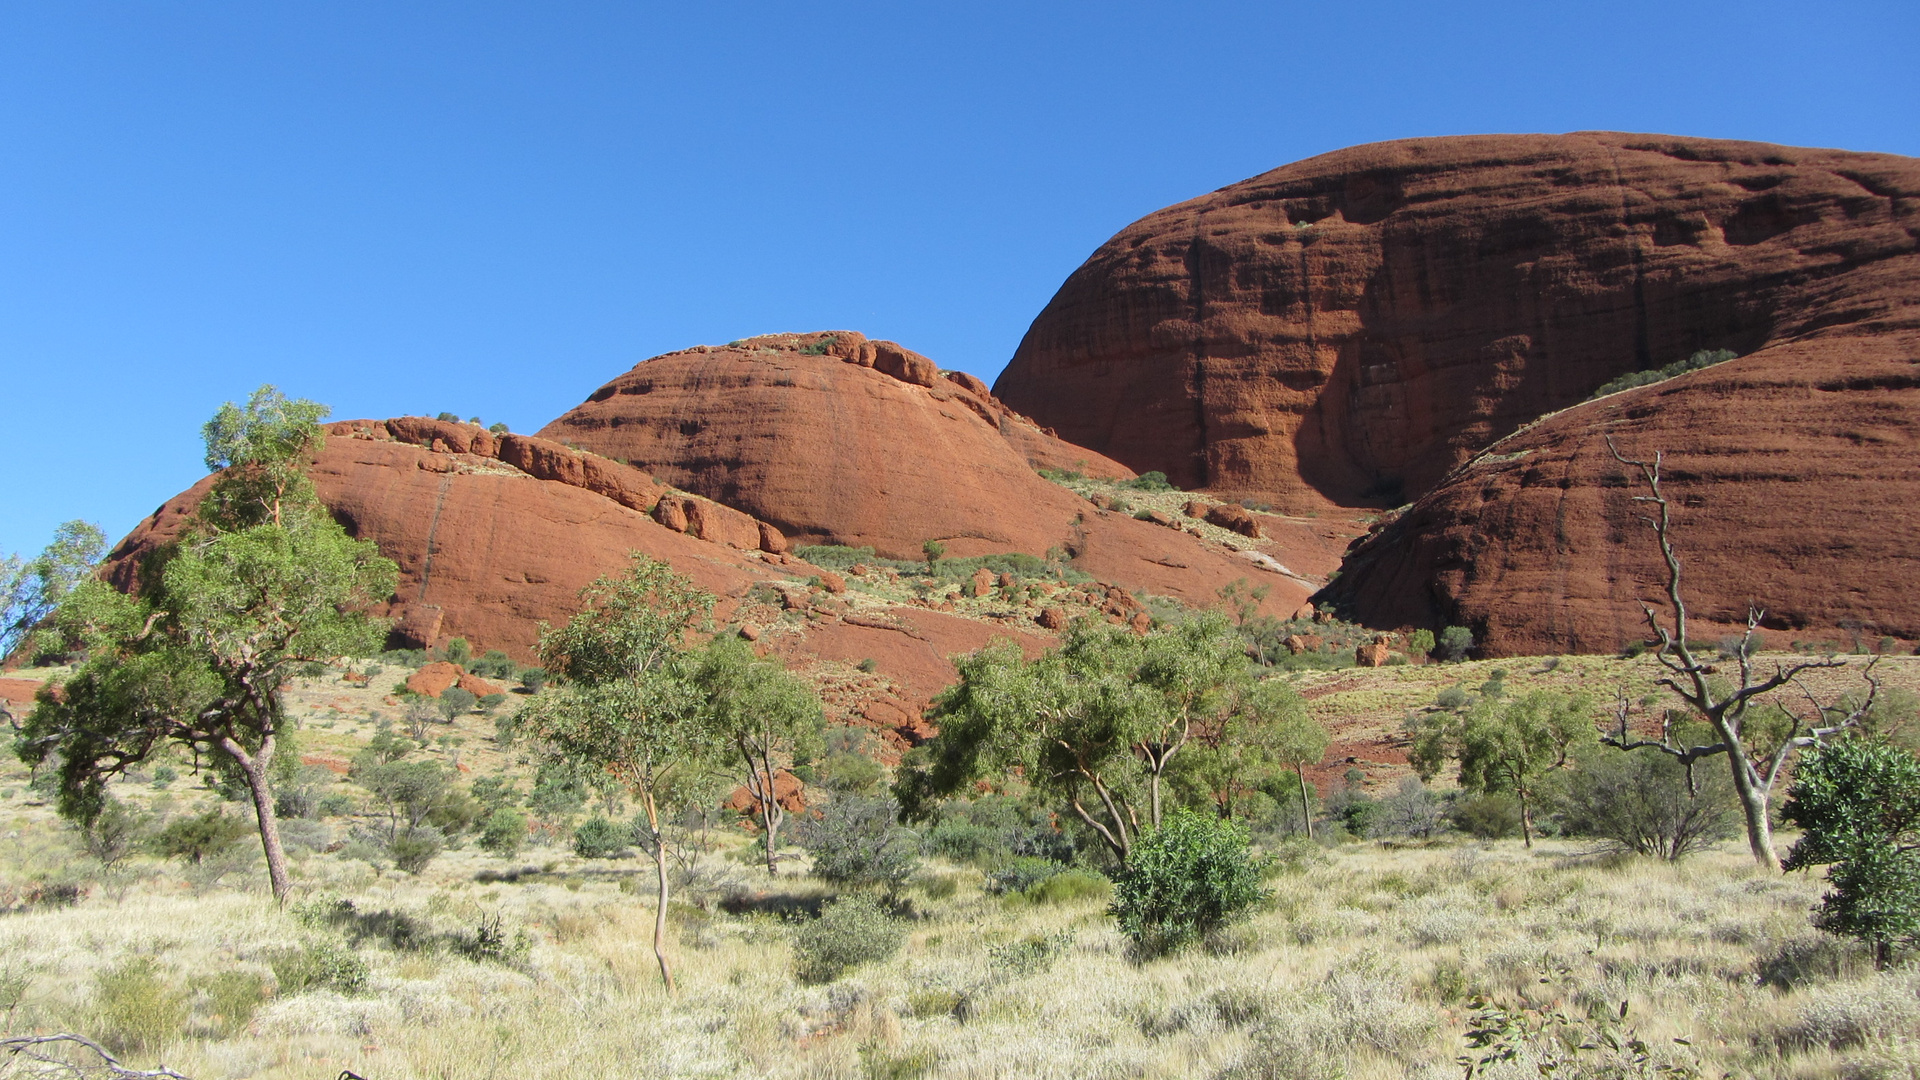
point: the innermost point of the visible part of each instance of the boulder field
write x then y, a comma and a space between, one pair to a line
1357, 328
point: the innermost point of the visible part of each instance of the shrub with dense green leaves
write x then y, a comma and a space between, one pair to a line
318, 965
504, 833
599, 838
1184, 880
850, 931
413, 851
1455, 643
1493, 816
139, 1009
1859, 804
195, 839
1642, 802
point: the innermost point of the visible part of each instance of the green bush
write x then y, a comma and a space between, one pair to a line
1702, 359
1641, 801
1455, 643
1149, 481
494, 665
413, 851
504, 833
1420, 643
232, 999
195, 839
1859, 804
1184, 880
455, 702
599, 838
1489, 817
1068, 886
318, 965
850, 931
138, 1009
858, 841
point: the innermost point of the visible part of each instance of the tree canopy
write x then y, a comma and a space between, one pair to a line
263, 581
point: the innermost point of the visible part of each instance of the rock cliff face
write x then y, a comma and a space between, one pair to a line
1794, 476
1351, 328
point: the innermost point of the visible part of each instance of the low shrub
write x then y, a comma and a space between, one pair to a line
232, 997
850, 931
858, 841
138, 1009
1068, 886
505, 832
1183, 880
413, 851
1640, 801
600, 838
1702, 359
1489, 817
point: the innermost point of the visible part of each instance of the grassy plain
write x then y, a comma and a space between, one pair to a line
1368, 962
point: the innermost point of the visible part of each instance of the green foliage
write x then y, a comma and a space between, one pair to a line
494, 665
1068, 886
232, 999
1488, 817
321, 964
412, 851
504, 833
454, 701
1858, 803
1642, 801
409, 790
1420, 642
1506, 745
858, 841
1095, 722
1032, 954
30, 590
194, 839
1455, 643
933, 550
113, 834
1149, 481
1184, 880
599, 838
1703, 359
762, 713
138, 1009
851, 930
263, 581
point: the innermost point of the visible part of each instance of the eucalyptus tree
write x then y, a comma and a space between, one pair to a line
30, 589
1096, 722
1507, 744
626, 703
765, 714
261, 582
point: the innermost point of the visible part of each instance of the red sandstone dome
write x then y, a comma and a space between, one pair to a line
1357, 328
1350, 328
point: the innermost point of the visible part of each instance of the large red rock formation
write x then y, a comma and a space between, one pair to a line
837, 439
1794, 476
1350, 328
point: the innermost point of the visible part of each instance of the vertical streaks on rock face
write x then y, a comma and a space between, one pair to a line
1350, 328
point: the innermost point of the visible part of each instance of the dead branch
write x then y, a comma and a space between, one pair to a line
29, 1048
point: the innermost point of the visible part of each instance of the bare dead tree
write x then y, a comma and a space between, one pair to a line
36, 1054
1727, 712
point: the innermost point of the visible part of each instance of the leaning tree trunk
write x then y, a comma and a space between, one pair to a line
254, 767
1526, 817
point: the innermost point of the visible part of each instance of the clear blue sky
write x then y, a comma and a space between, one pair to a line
493, 208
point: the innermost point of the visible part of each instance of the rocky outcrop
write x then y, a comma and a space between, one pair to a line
1795, 485
833, 438
1351, 328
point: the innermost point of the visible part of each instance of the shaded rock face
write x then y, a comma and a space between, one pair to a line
1794, 475
833, 438
1350, 328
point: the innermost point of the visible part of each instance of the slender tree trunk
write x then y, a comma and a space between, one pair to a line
254, 768
1753, 805
1526, 817
770, 814
1306, 808
660, 897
